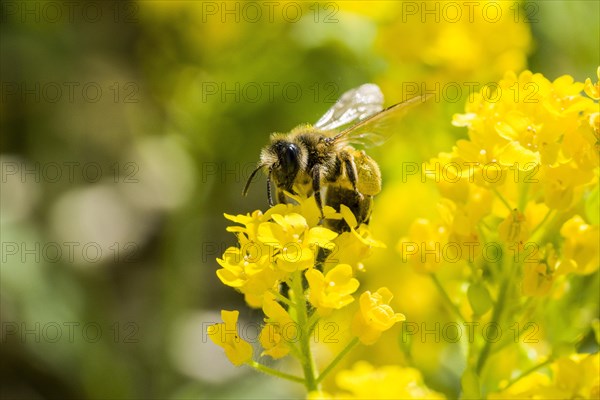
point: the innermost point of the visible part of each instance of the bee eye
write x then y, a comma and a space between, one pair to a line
288, 157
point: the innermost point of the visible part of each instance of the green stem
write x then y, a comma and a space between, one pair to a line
485, 352
542, 222
282, 298
313, 320
483, 239
502, 199
485, 225
540, 234
307, 361
523, 197
337, 359
274, 372
446, 297
497, 313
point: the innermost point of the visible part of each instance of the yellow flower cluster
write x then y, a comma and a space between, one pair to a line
287, 239
518, 228
530, 130
450, 42
298, 272
531, 154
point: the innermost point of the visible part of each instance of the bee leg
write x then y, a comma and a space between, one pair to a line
351, 172
369, 210
269, 194
281, 197
316, 185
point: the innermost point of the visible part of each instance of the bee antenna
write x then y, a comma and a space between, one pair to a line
249, 181
269, 194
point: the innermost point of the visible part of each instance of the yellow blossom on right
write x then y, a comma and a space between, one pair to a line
375, 316
527, 129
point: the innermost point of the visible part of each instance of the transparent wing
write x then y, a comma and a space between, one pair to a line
356, 104
375, 130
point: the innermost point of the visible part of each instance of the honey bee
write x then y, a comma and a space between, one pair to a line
319, 160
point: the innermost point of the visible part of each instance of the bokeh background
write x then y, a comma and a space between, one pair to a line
129, 128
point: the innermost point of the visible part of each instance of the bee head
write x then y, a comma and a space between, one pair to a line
288, 156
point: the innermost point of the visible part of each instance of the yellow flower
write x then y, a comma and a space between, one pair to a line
476, 160
319, 395
250, 274
514, 230
422, 249
252, 221
538, 276
332, 291
295, 244
463, 217
595, 125
364, 381
533, 386
580, 247
573, 377
578, 376
279, 328
307, 207
374, 316
591, 89
354, 246
225, 334
452, 179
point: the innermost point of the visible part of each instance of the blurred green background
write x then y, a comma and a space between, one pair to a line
129, 128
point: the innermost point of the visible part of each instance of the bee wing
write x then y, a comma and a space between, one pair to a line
375, 130
356, 104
